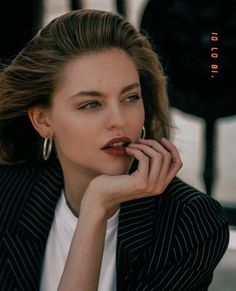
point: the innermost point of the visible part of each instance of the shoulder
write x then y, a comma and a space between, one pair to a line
12, 174
18, 179
200, 218
30, 186
15, 172
182, 191
11, 169
15, 181
187, 196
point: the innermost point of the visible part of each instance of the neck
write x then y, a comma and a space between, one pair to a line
73, 195
72, 208
75, 185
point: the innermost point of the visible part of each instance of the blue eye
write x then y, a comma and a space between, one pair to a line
90, 105
133, 98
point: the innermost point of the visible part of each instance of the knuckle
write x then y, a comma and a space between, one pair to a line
168, 156
144, 159
159, 155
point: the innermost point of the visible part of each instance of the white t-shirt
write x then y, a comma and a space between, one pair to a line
58, 245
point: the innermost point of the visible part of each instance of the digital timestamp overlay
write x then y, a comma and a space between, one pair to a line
214, 54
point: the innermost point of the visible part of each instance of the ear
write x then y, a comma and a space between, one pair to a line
41, 121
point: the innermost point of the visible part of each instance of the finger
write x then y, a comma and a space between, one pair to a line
143, 162
176, 163
156, 161
167, 157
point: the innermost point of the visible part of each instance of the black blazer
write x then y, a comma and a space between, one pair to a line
169, 242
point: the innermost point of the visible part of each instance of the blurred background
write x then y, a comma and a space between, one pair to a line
196, 41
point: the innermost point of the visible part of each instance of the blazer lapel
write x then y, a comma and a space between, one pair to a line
35, 223
135, 235
38, 212
135, 230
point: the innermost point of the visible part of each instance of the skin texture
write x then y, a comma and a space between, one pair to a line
80, 133
91, 107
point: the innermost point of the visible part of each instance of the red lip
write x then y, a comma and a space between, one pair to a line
118, 150
124, 139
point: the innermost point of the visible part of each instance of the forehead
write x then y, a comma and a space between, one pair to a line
106, 70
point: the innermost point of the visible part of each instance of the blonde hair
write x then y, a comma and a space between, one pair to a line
34, 74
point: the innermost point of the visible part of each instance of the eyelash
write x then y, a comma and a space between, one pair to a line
89, 104
137, 97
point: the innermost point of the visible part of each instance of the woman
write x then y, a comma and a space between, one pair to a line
103, 209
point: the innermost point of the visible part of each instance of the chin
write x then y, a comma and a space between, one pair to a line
115, 170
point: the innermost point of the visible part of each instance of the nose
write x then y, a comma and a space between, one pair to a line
115, 117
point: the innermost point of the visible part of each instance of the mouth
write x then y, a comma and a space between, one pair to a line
117, 146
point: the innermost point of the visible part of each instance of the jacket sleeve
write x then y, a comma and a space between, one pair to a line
200, 240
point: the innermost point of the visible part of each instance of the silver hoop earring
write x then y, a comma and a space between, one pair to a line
47, 147
143, 132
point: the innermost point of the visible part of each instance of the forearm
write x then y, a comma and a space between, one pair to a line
83, 263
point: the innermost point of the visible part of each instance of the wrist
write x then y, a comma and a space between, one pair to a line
97, 207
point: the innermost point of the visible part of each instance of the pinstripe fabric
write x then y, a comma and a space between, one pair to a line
169, 242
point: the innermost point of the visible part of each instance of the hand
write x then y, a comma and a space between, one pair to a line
158, 164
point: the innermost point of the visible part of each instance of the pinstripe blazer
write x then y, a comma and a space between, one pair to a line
169, 242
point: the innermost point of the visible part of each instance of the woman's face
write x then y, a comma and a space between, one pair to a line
98, 99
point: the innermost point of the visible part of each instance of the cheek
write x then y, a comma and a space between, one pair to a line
135, 120
138, 116
64, 129
71, 133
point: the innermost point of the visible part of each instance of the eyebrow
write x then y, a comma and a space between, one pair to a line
99, 94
